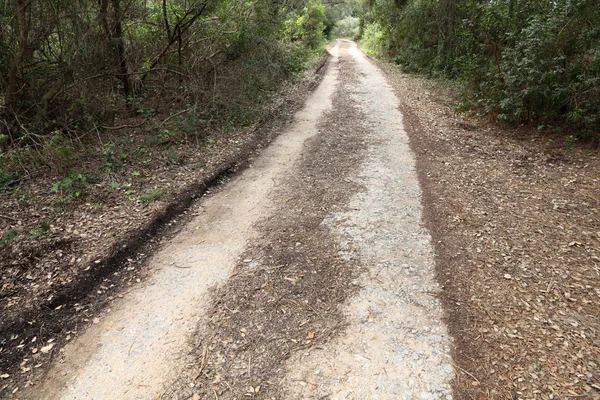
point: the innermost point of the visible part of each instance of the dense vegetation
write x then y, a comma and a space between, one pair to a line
522, 60
74, 69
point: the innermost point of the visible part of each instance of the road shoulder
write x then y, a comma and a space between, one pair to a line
514, 219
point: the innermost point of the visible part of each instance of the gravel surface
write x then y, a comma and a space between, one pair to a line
136, 345
322, 274
514, 214
395, 346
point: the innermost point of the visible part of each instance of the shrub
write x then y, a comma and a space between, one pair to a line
520, 60
373, 40
72, 186
152, 195
346, 28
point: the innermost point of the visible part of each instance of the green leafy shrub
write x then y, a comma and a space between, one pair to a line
72, 186
152, 195
7, 238
373, 40
40, 231
523, 61
308, 26
58, 149
346, 28
8, 179
114, 158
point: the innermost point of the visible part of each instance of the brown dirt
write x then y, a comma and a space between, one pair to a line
57, 283
514, 214
285, 294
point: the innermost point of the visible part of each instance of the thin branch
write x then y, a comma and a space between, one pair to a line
116, 128
175, 115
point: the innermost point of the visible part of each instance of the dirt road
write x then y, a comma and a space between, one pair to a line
308, 276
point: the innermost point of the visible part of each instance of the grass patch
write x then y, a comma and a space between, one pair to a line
152, 195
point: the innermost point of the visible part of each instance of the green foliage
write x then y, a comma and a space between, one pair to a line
113, 157
87, 63
520, 60
338, 11
346, 28
194, 120
166, 137
58, 148
373, 40
7, 238
8, 179
72, 186
308, 26
152, 195
39, 231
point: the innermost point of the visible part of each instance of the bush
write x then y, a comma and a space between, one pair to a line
152, 195
72, 186
347, 28
373, 40
520, 60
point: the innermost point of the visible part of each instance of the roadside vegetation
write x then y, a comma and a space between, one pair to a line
95, 95
70, 72
520, 61
111, 112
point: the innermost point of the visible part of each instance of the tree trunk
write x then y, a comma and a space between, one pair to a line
103, 18
166, 18
23, 34
447, 10
120, 42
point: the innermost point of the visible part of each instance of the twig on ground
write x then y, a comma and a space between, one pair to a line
203, 362
116, 128
175, 115
466, 372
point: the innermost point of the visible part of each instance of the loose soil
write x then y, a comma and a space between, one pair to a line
335, 298
514, 215
53, 286
285, 293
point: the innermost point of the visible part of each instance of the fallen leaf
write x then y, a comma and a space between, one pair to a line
46, 349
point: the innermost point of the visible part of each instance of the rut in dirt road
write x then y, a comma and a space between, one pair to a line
338, 298
323, 274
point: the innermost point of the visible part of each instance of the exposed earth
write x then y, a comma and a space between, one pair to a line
381, 247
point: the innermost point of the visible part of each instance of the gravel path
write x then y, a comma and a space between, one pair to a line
138, 346
324, 274
396, 346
